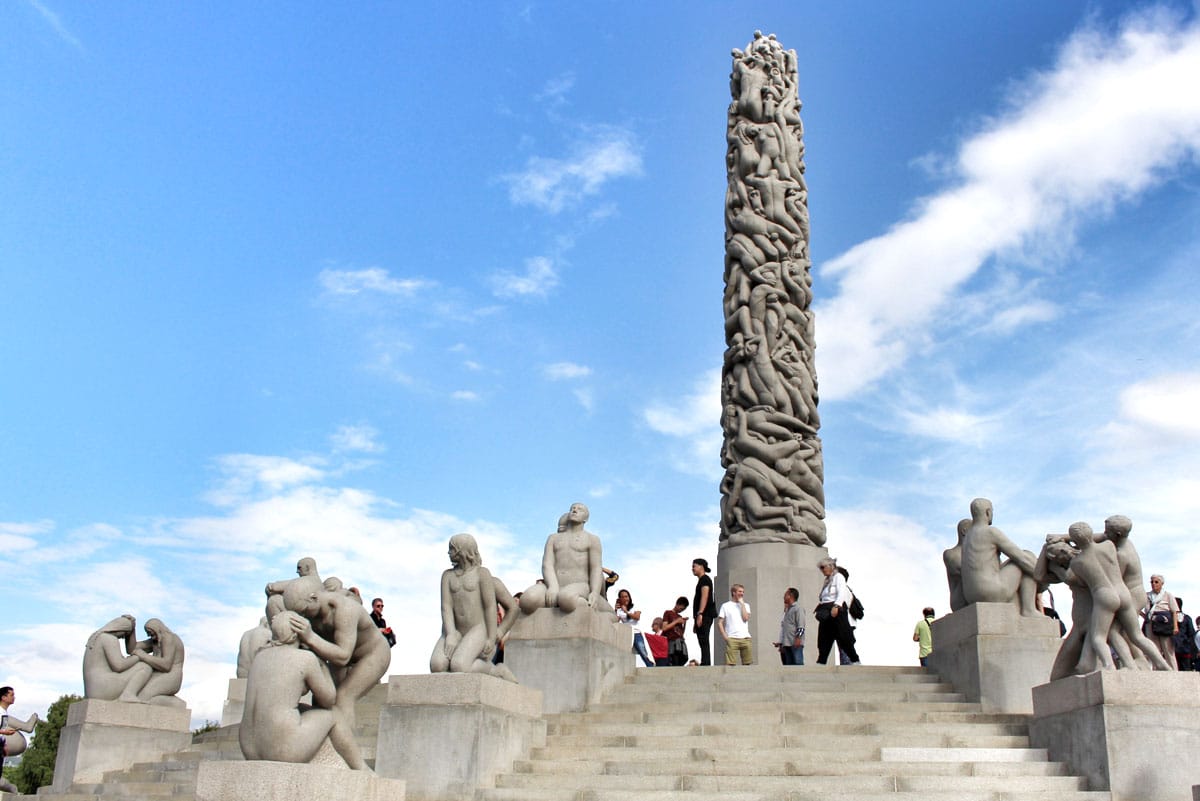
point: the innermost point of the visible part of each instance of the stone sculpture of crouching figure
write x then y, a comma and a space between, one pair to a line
340, 631
275, 726
470, 596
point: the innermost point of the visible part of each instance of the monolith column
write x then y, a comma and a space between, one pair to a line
772, 495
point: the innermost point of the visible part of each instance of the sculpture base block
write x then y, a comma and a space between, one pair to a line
994, 656
235, 703
450, 733
286, 781
574, 659
766, 570
1135, 733
110, 735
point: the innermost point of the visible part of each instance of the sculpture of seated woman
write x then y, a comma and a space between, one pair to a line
470, 597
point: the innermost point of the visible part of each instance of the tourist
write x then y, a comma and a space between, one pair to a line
1160, 604
833, 614
791, 629
674, 625
923, 636
627, 615
733, 622
704, 609
658, 644
380, 623
1185, 640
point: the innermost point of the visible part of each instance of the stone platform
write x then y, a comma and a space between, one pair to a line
101, 736
1135, 733
284, 781
993, 655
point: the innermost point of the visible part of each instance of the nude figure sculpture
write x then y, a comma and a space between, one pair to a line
252, 640
306, 566
987, 579
952, 557
275, 726
470, 598
150, 671
340, 631
571, 568
1103, 612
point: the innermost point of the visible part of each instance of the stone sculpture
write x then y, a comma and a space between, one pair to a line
340, 631
307, 566
252, 640
1103, 611
470, 597
571, 569
952, 557
16, 743
150, 671
774, 470
275, 726
987, 579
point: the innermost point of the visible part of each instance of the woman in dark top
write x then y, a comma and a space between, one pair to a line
704, 607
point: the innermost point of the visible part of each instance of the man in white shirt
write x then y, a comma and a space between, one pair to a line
733, 622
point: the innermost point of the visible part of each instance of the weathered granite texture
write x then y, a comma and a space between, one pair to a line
285, 781
774, 472
110, 735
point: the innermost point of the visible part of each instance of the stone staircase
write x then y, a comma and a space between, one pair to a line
762, 733
766, 733
174, 777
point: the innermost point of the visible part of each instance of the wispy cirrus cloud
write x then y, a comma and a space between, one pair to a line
360, 438
695, 422
372, 279
554, 184
1060, 152
566, 371
55, 21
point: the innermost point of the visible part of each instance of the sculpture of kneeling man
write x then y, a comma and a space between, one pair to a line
571, 568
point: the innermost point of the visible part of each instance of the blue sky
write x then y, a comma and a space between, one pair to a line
282, 280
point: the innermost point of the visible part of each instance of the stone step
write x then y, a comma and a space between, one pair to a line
734, 728
793, 695
670, 748
846, 711
834, 785
135, 789
798, 793
784, 763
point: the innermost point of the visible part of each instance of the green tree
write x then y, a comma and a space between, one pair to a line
37, 765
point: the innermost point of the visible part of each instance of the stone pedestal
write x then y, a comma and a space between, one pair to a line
449, 733
235, 702
109, 735
993, 655
766, 570
574, 659
285, 781
1134, 733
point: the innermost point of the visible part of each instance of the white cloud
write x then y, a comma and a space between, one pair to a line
952, 425
1062, 151
465, 395
555, 184
1166, 404
565, 371
473, 366
696, 421
374, 279
1008, 320
556, 89
362, 438
244, 473
537, 280
22, 536
586, 398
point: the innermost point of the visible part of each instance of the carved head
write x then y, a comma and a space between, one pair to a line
981, 509
281, 627
154, 628
1080, 534
306, 567
578, 513
464, 551
963, 526
1118, 527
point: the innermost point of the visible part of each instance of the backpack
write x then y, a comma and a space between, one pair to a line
856, 607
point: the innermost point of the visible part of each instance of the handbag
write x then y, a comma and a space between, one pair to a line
822, 613
1161, 624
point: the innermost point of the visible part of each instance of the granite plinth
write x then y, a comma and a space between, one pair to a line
1134, 733
766, 570
287, 781
993, 655
235, 703
110, 735
448, 734
573, 659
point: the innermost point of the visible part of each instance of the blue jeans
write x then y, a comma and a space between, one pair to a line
639, 647
791, 655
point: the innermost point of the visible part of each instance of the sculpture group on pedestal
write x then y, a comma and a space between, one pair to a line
148, 671
572, 570
1102, 570
773, 485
